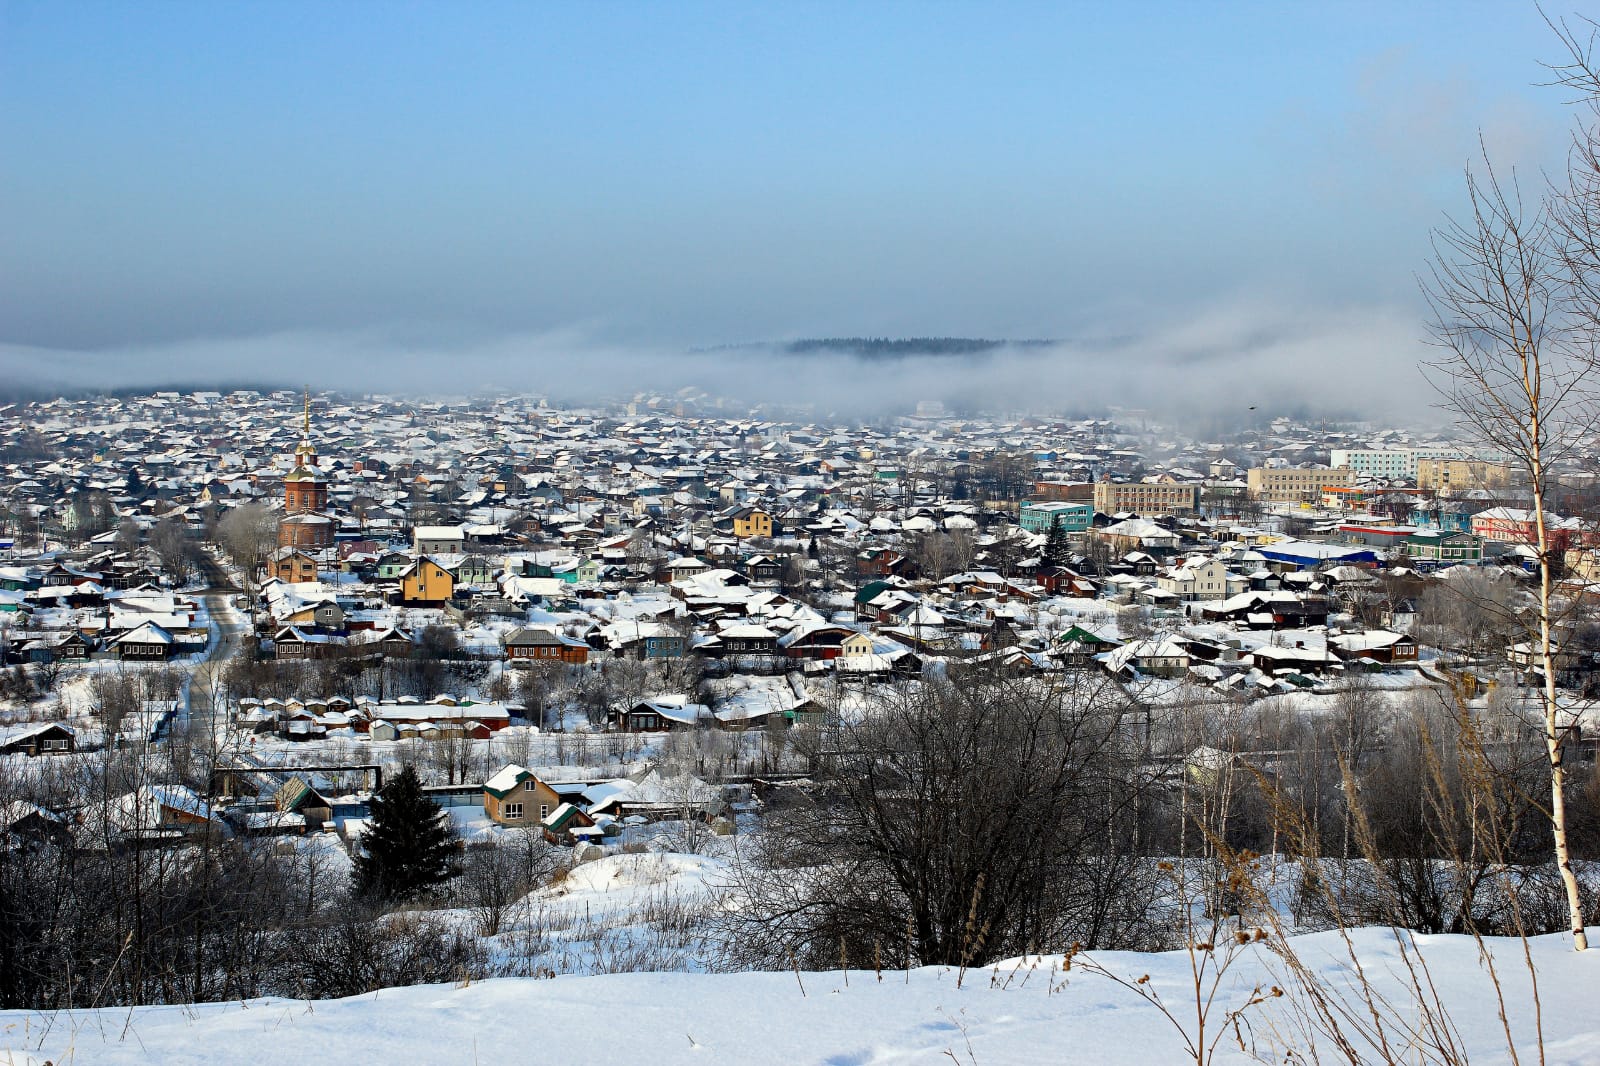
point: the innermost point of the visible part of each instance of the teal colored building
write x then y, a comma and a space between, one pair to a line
1072, 517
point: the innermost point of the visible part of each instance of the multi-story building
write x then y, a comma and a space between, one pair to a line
1052, 491
1514, 525
1444, 548
1449, 475
1112, 497
1197, 581
426, 583
1295, 484
1391, 463
751, 522
1386, 464
1042, 517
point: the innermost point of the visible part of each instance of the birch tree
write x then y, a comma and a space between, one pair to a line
1515, 369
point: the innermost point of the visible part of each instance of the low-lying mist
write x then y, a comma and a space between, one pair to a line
1360, 360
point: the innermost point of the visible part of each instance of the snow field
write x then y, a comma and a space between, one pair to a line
1018, 1012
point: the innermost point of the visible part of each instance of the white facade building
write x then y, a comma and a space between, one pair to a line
1392, 463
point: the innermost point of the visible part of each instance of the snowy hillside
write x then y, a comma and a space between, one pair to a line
1008, 1014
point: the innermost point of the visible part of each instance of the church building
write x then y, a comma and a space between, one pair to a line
305, 525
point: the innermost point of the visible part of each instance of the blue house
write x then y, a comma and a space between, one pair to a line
665, 646
1448, 517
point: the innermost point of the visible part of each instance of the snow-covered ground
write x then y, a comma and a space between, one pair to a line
1012, 1013
624, 913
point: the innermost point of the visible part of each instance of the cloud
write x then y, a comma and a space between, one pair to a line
1271, 354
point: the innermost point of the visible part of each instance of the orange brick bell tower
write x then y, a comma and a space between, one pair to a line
305, 523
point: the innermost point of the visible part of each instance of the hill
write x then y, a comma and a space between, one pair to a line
906, 347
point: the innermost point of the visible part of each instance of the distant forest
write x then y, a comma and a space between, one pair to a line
882, 347
904, 347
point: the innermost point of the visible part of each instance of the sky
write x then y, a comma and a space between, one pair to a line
563, 196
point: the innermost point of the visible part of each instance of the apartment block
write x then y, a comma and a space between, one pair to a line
1112, 498
1447, 475
1391, 463
1294, 484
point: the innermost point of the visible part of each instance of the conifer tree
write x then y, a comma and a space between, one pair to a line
1056, 548
407, 845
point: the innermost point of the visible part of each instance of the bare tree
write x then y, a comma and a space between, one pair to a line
127, 536
1471, 613
544, 688
963, 546
493, 877
175, 548
793, 574
1133, 623
938, 554
1515, 369
246, 533
837, 558
626, 683
450, 755
887, 862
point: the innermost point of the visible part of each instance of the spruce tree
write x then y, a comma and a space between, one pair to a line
407, 845
1057, 550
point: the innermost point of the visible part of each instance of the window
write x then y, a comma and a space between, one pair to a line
531, 786
511, 810
544, 811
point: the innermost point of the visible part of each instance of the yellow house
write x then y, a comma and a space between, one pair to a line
515, 796
293, 566
752, 522
1583, 565
425, 581
855, 646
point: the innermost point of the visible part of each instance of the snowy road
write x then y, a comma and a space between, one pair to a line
228, 627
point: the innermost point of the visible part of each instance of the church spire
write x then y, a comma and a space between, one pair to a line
306, 455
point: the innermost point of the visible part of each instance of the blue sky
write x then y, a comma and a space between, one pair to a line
671, 175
